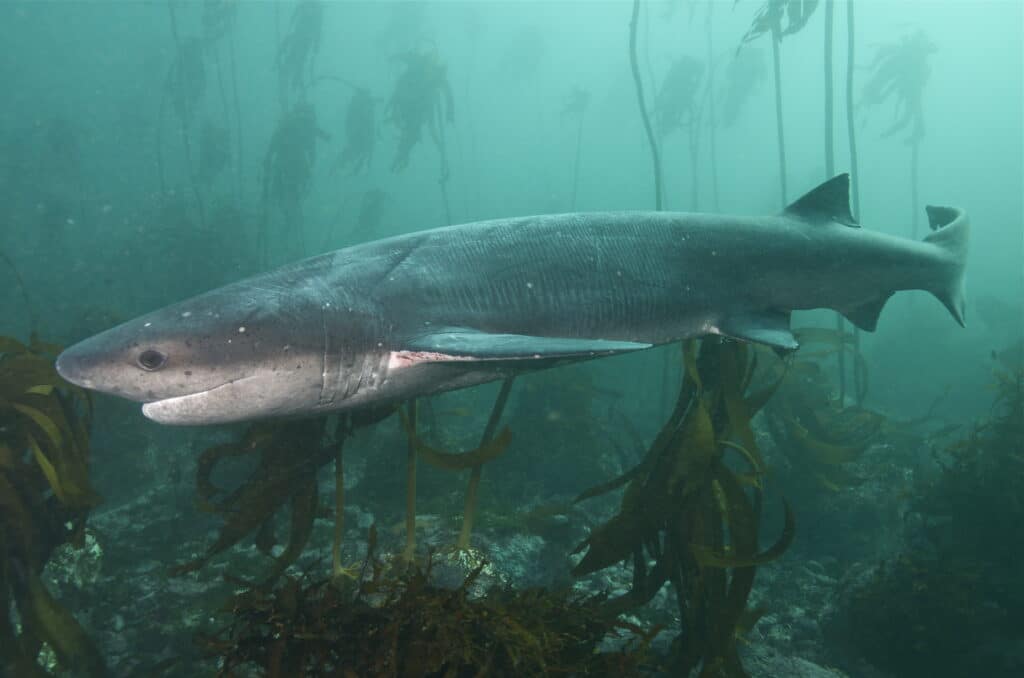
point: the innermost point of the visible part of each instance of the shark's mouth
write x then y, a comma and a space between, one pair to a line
220, 404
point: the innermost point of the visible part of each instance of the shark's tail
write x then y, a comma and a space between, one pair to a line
950, 229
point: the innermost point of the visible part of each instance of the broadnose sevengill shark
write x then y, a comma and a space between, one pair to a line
461, 305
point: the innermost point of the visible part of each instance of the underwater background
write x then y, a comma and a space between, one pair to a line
708, 509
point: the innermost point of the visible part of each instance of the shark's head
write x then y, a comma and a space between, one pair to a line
236, 353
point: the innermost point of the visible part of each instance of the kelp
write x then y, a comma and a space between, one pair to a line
422, 98
391, 624
576, 106
489, 449
288, 170
45, 498
218, 20
977, 491
819, 434
186, 80
899, 72
577, 103
688, 517
676, 100
360, 132
743, 74
953, 604
289, 456
299, 47
288, 163
371, 210
214, 151
784, 17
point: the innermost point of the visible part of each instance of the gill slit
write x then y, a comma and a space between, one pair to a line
323, 359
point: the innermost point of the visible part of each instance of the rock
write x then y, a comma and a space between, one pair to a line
761, 661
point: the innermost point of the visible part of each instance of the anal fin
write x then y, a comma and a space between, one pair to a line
865, 316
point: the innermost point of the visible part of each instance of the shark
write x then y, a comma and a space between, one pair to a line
452, 307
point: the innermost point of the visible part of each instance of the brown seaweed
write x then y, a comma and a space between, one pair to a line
689, 512
45, 498
393, 624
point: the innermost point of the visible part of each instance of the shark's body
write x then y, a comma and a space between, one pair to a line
461, 305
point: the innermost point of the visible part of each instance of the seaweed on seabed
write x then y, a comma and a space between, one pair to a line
45, 498
689, 511
400, 624
953, 603
819, 434
290, 455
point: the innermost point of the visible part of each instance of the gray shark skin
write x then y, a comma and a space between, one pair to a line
461, 305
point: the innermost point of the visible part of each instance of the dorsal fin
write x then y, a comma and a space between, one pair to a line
828, 202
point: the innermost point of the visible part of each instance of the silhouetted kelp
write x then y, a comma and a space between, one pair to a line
360, 132
288, 169
298, 49
214, 151
45, 497
391, 624
784, 17
952, 604
675, 103
422, 97
779, 18
743, 73
689, 518
576, 105
899, 72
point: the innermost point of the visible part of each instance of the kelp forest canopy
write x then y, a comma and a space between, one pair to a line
710, 507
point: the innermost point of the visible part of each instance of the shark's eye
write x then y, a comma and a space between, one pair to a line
151, 360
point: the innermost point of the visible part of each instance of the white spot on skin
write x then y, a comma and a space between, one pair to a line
241, 330
618, 273
147, 324
186, 314
529, 285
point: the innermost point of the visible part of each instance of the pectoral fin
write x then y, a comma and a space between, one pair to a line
462, 344
763, 327
866, 315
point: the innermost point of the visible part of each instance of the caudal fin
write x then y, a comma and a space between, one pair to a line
950, 229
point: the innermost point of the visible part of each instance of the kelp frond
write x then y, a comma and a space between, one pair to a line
45, 497
689, 518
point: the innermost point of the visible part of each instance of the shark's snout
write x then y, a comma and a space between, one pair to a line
71, 367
